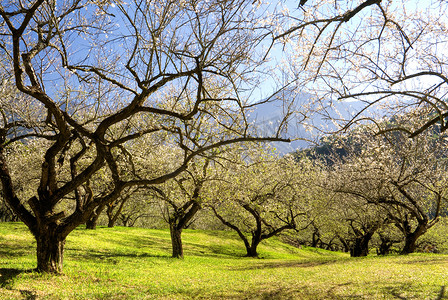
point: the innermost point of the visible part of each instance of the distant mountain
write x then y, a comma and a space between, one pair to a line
267, 117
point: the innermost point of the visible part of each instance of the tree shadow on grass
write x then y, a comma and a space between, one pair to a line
397, 292
286, 293
430, 260
19, 250
287, 264
111, 256
442, 294
7, 275
213, 250
332, 292
120, 248
28, 295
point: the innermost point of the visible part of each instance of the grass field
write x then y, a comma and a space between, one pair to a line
133, 263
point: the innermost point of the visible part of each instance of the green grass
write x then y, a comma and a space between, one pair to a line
133, 263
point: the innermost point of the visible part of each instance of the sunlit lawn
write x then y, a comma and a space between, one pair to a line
132, 263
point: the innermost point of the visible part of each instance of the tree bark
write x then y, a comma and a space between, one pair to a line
93, 219
176, 241
252, 250
345, 245
91, 223
361, 245
315, 238
411, 239
112, 217
50, 251
384, 247
179, 220
111, 223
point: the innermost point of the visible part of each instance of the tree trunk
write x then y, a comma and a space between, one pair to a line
345, 245
330, 245
411, 239
112, 217
91, 223
178, 221
251, 251
93, 219
111, 223
176, 241
315, 238
385, 246
50, 251
6, 214
361, 246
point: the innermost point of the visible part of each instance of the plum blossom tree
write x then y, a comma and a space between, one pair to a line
389, 55
261, 196
183, 197
404, 177
102, 75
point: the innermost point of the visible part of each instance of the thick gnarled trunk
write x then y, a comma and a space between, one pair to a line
50, 252
361, 246
251, 251
410, 242
384, 247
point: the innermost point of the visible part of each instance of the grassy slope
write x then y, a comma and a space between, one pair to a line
133, 263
